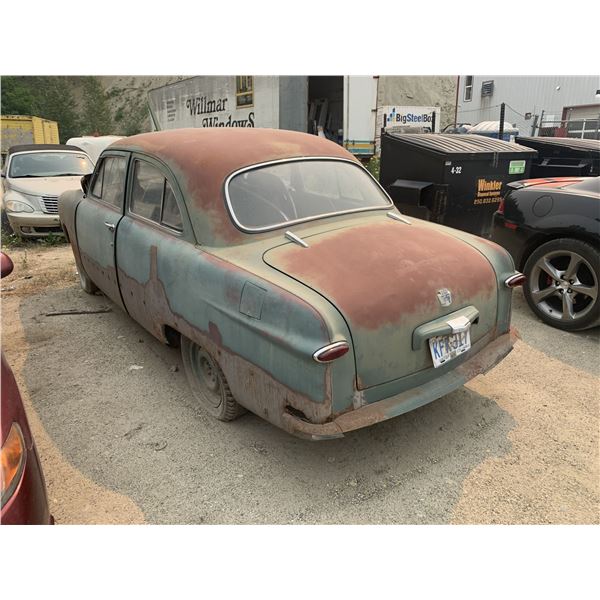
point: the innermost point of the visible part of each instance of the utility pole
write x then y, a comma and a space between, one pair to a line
456, 104
501, 128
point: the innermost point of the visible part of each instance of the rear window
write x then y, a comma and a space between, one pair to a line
275, 195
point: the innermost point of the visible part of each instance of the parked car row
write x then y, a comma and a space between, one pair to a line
291, 283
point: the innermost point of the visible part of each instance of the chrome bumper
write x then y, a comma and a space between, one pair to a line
393, 406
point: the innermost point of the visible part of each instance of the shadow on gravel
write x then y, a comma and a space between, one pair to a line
578, 349
137, 431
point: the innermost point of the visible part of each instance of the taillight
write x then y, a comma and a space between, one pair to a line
515, 280
501, 206
12, 457
331, 352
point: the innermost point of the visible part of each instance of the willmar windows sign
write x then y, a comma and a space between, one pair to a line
229, 101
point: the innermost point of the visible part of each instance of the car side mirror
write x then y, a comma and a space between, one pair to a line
6, 265
85, 183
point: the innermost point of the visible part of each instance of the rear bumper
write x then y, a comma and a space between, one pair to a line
393, 406
512, 237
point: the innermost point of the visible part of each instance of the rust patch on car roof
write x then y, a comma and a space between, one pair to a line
378, 273
201, 159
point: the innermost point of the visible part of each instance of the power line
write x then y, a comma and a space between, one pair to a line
515, 111
478, 109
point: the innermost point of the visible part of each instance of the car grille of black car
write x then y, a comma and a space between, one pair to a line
50, 204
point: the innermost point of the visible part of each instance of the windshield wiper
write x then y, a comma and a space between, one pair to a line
23, 176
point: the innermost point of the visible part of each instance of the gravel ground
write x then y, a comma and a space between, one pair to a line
122, 445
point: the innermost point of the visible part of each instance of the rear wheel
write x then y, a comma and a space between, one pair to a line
562, 284
208, 382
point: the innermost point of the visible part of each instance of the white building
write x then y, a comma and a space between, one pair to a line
560, 105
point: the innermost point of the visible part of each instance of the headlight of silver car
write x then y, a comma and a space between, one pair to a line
16, 206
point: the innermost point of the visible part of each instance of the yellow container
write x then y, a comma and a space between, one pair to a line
23, 129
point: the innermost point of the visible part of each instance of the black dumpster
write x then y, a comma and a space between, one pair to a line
453, 179
563, 157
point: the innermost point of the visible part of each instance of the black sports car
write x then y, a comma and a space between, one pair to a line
551, 227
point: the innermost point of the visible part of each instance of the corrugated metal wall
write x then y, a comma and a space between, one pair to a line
526, 94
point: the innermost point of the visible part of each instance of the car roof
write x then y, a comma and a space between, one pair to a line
201, 159
35, 147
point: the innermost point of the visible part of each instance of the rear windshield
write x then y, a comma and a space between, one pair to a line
49, 164
274, 195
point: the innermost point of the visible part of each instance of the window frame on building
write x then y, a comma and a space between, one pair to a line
244, 91
468, 92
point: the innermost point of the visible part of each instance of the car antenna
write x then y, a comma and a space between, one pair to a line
393, 215
296, 239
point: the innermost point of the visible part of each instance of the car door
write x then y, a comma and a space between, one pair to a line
155, 244
97, 220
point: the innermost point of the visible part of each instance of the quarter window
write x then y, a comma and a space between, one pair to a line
171, 215
152, 196
109, 183
97, 185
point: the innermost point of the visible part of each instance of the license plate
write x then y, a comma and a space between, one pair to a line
446, 347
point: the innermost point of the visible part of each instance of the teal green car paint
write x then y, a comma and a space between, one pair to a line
262, 304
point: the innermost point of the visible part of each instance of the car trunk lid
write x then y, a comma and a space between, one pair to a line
384, 278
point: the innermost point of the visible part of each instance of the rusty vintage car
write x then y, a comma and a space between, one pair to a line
294, 287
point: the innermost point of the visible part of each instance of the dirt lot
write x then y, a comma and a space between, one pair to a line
122, 445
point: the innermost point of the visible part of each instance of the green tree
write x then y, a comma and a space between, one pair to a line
96, 116
55, 101
17, 97
46, 97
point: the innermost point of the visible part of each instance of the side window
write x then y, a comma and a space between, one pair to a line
152, 196
109, 181
147, 191
113, 188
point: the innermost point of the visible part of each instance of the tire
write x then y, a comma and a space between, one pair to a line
208, 383
562, 286
87, 285
5, 224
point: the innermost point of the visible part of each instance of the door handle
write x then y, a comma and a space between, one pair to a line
111, 226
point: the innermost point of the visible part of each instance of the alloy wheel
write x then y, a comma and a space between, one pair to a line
563, 285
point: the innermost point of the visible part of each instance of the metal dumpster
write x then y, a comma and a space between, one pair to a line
563, 157
453, 179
